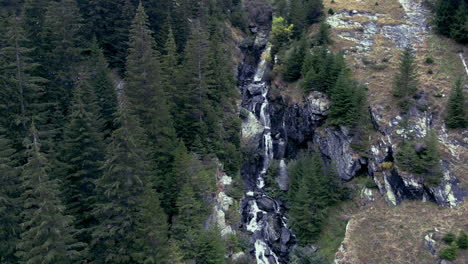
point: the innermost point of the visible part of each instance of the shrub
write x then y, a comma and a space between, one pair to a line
429, 60
449, 238
462, 241
331, 12
430, 71
386, 165
448, 253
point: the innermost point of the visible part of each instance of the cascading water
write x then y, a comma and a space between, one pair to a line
263, 216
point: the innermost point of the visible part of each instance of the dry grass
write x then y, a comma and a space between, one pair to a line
385, 234
390, 7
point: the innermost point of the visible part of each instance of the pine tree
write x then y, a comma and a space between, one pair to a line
145, 93
175, 254
323, 37
9, 208
83, 154
170, 70
209, 246
293, 65
406, 83
126, 171
459, 28
314, 191
193, 90
152, 230
443, 19
47, 233
20, 86
342, 104
456, 110
109, 21
103, 88
63, 45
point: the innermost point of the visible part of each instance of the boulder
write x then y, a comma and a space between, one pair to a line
266, 204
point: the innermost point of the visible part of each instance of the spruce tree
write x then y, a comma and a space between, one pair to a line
314, 192
109, 21
193, 90
459, 27
21, 88
405, 82
9, 204
456, 109
104, 90
170, 70
152, 230
83, 154
47, 233
209, 246
63, 43
146, 97
126, 171
342, 103
293, 65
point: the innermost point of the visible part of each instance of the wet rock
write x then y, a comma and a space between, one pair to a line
251, 127
266, 204
283, 176
285, 235
273, 230
335, 145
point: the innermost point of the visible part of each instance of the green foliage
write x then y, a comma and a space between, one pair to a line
305, 255
280, 33
293, 64
101, 80
449, 238
348, 106
20, 86
456, 107
462, 240
450, 19
209, 247
126, 172
405, 82
421, 157
83, 154
312, 191
147, 98
331, 12
9, 208
47, 233
323, 36
449, 253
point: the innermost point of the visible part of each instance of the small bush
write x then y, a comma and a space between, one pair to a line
331, 12
370, 183
449, 238
376, 3
387, 165
429, 60
430, 71
448, 253
462, 241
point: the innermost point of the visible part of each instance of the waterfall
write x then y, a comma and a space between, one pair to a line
262, 214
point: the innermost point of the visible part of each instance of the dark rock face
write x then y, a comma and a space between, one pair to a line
334, 144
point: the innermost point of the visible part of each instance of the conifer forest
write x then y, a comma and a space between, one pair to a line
233, 131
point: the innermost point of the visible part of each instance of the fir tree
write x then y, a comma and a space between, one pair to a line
21, 88
63, 45
146, 97
312, 194
169, 70
193, 91
47, 233
9, 209
103, 88
342, 103
83, 154
293, 65
152, 230
209, 246
406, 83
456, 110
125, 173
459, 27
109, 21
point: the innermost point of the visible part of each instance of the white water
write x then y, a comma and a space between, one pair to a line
463, 61
255, 225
